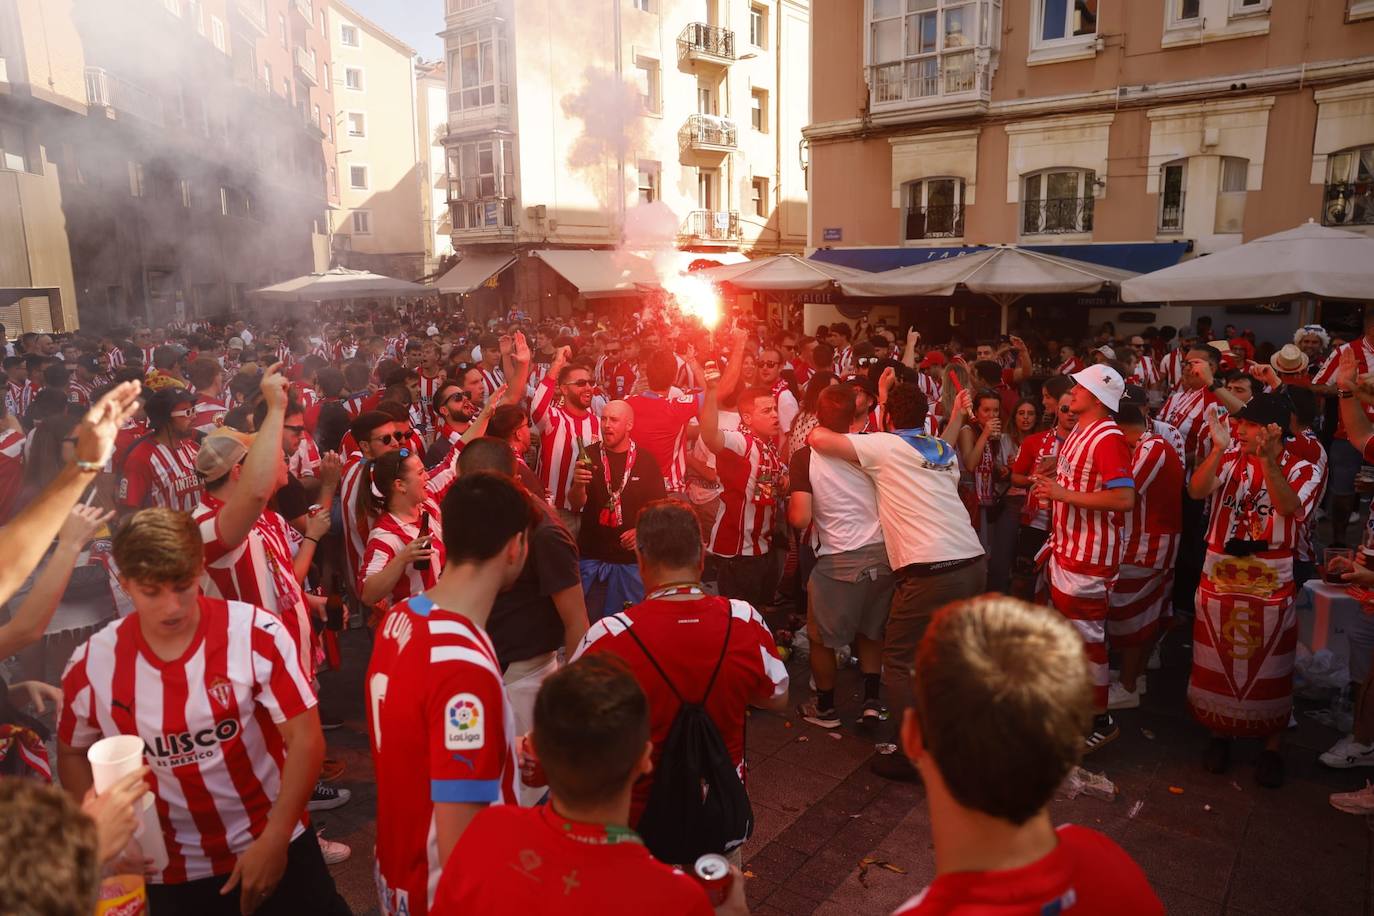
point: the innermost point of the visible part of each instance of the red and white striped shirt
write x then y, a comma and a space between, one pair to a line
1241, 507
492, 379
155, 475
442, 730
429, 387
260, 571
930, 387
353, 404
1309, 448
751, 477
210, 413
79, 393
1186, 411
146, 354
18, 397
560, 431
355, 523
208, 723
1364, 358
389, 536
844, 361
1150, 531
1093, 457
305, 460
11, 471
116, 358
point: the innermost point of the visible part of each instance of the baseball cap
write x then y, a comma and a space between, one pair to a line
863, 382
1135, 396
933, 358
1265, 408
1104, 382
235, 343
1107, 351
220, 451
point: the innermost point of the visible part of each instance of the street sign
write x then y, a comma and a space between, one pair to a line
832, 234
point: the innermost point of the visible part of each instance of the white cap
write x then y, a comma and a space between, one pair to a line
1107, 351
1105, 384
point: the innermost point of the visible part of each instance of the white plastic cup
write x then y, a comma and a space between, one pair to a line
114, 758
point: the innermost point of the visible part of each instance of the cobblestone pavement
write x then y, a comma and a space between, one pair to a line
1224, 845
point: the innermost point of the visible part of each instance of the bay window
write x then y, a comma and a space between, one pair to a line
482, 184
1349, 198
477, 69
928, 49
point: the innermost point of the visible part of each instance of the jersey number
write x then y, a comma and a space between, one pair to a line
376, 690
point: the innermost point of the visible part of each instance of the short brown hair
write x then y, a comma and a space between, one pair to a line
668, 535
203, 371
591, 723
1003, 694
159, 546
50, 850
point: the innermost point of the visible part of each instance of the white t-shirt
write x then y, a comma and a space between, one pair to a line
787, 411
923, 518
843, 502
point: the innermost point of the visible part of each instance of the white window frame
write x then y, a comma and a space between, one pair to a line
1349, 160
362, 79
759, 193
348, 119
19, 159
489, 43
173, 7
1359, 9
1038, 10
1242, 8
758, 26
1182, 166
758, 104
940, 81
367, 222
916, 195
367, 177
652, 189
1086, 190
345, 29
1238, 164
649, 72
644, 6
217, 34
1174, 18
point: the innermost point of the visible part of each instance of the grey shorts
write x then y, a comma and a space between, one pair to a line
850, 595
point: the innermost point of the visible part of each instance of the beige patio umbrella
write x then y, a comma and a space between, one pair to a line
783, 273
1003, 273
1309, 261
339, 283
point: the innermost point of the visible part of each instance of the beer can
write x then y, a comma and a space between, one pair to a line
713, 873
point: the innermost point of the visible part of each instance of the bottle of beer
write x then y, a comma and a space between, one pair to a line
122, 890
423, 565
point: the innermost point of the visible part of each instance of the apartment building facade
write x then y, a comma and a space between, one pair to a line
174, 155
1128, 133
634, 124
379, 225
431, 117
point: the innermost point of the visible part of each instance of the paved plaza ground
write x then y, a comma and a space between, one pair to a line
833, 839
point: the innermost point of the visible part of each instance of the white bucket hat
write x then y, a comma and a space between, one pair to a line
1104, 382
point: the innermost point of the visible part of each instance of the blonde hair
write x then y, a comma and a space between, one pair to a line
948, 391
1003, 694
159, 546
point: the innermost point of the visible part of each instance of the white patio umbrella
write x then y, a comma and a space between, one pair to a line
1309, 261
339, 283
783, 273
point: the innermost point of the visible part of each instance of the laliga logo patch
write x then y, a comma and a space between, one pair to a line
464, 723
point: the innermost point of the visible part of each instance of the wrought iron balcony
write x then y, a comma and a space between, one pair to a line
711, 226
1349, 203
709, 43
104, 90
935, 222
306, 67
708, 132
1057, 215
1171, 213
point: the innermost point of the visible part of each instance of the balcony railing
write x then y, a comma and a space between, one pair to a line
1349, 203
306, 11
1171, 214
941, 221
700, 41
704, 131
711, 226
104, 90
254, 12
306, 67
1056, 215
928, 78
492, 215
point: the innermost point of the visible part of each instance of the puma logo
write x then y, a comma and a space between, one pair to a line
122, 705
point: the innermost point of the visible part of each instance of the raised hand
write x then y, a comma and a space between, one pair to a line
275, 387
95, 437
521, 349
81, 525
1347, 368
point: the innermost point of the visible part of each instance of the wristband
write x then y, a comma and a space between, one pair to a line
307, 537
94, 467
1344, 393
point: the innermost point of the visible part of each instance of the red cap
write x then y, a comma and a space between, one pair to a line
933, 358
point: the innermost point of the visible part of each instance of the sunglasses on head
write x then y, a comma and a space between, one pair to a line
188, 412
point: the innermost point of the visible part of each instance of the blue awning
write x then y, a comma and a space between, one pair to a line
1141, 257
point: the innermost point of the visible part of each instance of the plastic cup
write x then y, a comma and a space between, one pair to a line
1338, 560
114, 758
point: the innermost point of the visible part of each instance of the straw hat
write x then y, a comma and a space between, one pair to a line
1288, 360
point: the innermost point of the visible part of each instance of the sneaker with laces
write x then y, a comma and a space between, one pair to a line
1359, 802
333, 852
1347, 753
326, 797
873, 713
1104, 732
825, 718
1118, 697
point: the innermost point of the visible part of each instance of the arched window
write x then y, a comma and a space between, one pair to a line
1057, 201
933, 209
1349, 197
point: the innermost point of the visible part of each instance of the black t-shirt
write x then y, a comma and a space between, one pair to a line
596, 541
524, 622
799, 471
292, 499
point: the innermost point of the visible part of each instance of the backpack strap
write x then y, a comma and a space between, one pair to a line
729, 625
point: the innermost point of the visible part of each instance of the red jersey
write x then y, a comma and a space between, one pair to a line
1186, 411
680, 634
259, 571
1094, 457
11, 471
1070, 366
661, 430
1364, 358
1044, 444
1085, 873
533, 862
389, 536
305, 460
210, 413
208, 722
429, 387
442, 731
18, 396
1241, 508
353, 404
751, 477
1150, 531
560, 431
1309, 448
155, 475
79, 393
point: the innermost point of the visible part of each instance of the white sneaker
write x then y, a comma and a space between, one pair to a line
1118, 697
1361, 802
1140, 684
1347, 753
333, 852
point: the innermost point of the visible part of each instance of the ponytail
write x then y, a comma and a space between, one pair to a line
378, 477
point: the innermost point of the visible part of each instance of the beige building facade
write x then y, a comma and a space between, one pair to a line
431, 116
1127, 133
379, 225
634, 124
161, 158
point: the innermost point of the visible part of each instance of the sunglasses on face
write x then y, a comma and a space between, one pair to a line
386, 439
768, 364
579, 383
184, 413
457, 396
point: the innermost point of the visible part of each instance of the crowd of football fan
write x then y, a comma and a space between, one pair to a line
582, 550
